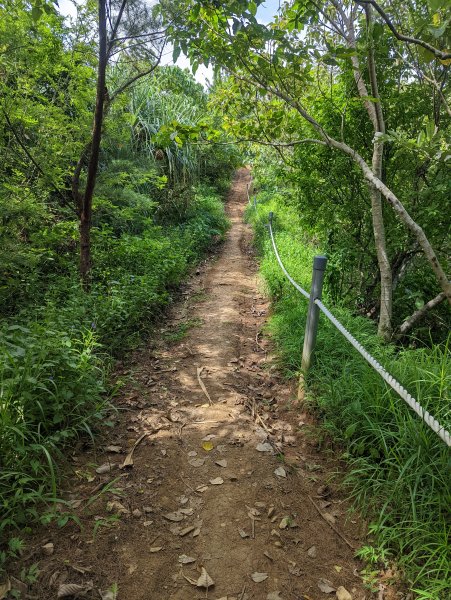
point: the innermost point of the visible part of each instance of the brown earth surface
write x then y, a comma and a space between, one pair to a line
227, 475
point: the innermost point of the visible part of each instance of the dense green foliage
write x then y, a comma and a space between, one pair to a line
157, 209
360, 123
399, 468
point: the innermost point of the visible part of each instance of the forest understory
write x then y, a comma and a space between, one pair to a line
152, 442
222, 466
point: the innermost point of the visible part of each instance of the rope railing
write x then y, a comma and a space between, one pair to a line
248, 186
316, 305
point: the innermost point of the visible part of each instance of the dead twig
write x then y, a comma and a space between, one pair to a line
189, 487
202, 385
128, 462
340, 535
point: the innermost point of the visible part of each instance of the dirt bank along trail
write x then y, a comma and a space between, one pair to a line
227, 496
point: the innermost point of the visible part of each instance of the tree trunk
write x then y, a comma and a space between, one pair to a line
86, 200
384, 329
375, 113
85, 250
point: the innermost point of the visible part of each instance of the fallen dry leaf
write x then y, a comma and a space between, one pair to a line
48, 549
207, 446
259, 577
196, 462
66, 590
326, 586
128, 462
280, 472
205, 581
202, 488
105, 468
343, 594
114, 449
284, 523
155, 549
312, 552
338, 568
187, 530
174, 516
116, 507
274, 596
217, 481
186, 560
192, 453
242, 533
264, 447
186, 511
4, 589
221, 463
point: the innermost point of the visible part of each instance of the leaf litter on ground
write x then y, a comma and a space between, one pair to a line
186, 560
204, 580
264, 447
67, 590
217, 481
259, 577
280, 472
196, 462
326, 586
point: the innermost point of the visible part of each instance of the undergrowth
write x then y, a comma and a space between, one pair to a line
55, 353
399, 470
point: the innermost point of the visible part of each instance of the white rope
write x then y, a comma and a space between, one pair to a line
290, 279
248, 185
395, 385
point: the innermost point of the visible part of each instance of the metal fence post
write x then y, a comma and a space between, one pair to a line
311, 325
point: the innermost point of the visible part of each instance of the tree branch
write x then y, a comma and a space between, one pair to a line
405, 38
407, 325
33, 160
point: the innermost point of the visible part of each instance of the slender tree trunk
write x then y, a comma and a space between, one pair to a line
86, 200
374, 110
386, 281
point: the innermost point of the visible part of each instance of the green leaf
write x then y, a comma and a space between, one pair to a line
36, 13
176, 52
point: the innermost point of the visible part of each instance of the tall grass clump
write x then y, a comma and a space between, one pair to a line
399, 470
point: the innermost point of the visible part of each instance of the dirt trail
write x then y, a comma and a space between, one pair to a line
282, 533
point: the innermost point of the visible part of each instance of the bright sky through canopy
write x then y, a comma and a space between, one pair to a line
265, 13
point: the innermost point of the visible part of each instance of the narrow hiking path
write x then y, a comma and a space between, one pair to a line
207, 488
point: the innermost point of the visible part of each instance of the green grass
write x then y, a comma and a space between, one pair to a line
178, 333
399, 470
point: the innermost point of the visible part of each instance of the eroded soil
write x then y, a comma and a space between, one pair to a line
199, 489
